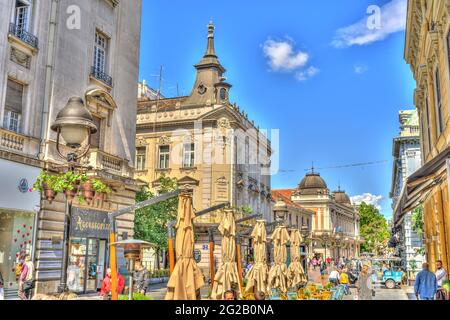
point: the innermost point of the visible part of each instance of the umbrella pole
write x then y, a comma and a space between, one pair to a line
238, 256
211, 256
171, 237
113, 262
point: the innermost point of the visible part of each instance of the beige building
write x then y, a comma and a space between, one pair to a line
335, 224
51, 51
204, 141
207, 142
427, 51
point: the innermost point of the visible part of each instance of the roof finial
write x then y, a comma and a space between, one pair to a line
339, 185
210, 51
312, 168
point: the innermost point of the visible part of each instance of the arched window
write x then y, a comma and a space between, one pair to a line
223, 94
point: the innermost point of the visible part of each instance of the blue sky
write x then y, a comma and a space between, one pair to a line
311, 69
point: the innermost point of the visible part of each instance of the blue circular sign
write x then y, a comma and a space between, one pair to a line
23, 185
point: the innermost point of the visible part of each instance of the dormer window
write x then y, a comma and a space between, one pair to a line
223, 94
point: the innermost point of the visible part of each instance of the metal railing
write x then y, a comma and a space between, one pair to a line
23, 35
102, 76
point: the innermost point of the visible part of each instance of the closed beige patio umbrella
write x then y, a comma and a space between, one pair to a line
257, 276
296, 274
227, 277
186, 278
278, 273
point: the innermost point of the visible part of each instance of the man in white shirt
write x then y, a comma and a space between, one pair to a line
441, 274
334, 277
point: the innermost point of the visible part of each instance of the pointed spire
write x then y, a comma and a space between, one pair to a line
210, 51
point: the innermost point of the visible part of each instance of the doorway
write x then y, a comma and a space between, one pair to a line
86, 265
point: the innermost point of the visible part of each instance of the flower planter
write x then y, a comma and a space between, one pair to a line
71, 194
100, 197
49, 194
88, 192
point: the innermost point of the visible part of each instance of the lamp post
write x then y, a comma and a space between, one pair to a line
325, 237
74, 123
280, 210
305, 234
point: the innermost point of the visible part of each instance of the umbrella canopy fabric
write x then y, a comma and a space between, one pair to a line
278, 273
186, 278
227, 277
257, 276
296, 274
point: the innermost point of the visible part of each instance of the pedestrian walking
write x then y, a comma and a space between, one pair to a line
2, 292
441, 274
364, 285
314, 263
344, 281
334, 277
26, 279
141, 278
425, 286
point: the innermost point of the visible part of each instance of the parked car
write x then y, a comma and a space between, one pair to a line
388, 272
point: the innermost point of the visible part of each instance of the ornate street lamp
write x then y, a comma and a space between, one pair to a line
280, 210
74, 123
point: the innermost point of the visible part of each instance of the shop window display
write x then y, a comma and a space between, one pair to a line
16, 241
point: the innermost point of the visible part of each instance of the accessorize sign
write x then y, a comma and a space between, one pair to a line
87, 223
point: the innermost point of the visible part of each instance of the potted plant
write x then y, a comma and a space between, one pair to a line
69, 182
46, 184
87, 191
101, 189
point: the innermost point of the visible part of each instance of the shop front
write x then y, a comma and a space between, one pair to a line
18, 207
88, 250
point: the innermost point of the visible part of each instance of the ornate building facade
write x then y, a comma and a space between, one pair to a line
427, 50
208, 143
407, 160
335, 224
48, 55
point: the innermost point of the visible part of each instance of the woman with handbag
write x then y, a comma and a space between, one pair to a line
364, 285
26, 280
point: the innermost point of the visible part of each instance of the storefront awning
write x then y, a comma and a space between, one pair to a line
419, 185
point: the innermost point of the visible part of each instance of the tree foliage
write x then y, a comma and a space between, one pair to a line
373, 228
151, 222
417, 220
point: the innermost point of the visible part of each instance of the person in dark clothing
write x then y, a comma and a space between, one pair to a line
141, 278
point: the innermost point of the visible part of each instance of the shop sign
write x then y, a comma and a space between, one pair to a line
23, 186
197, 255
87, 223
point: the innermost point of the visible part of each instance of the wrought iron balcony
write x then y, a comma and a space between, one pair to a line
102, 76
23, 35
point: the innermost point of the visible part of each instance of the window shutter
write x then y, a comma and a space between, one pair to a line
14, 96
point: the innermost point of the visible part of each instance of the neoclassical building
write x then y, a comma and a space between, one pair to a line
206, 142
427, 47
47, 55
335, 224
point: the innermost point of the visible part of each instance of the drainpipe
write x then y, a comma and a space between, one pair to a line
51, 49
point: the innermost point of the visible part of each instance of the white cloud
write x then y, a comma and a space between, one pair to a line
282, 56
360, 68
392, 18
368, 198
306, 74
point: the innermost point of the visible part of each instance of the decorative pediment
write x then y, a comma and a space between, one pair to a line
100, 97
188, 181
220, 114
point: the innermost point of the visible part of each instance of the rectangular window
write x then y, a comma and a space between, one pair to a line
13, 106
439, 114
188, 155
22, 15
428, 128
164, 153
141, 153
95, 138
100, 52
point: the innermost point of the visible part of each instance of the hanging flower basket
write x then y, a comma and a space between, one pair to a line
87, 191
49, 193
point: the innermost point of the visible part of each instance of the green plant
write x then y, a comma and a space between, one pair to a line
136, 297
69, 180
45, 179
100, 187
417, 220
